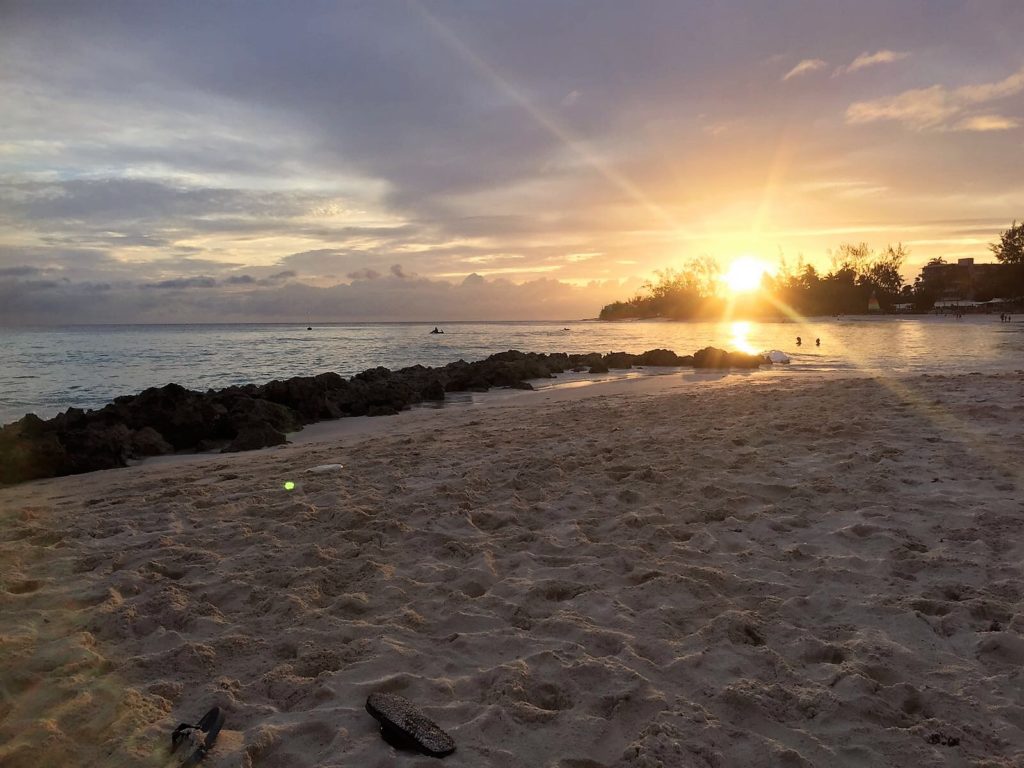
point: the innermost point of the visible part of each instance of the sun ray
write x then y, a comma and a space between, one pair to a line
550, 124
942, 419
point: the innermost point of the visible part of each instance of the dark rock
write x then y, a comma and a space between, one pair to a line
148, 442
659, 357
557, 362
29, 450
312, 397
619, 360
30, 425
255, 436
98, 446
181, 416
404, 726
243, 411
585, 361
172, 418
72, 418
711, 357
433, 390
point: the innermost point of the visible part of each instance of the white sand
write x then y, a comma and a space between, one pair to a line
766, 571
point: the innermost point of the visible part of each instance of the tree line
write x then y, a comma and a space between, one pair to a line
858, 274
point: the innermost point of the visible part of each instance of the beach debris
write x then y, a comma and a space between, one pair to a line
325, 469
944, 740
404, 726
197, 740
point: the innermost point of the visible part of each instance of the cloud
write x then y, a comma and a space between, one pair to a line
22, 271
984, 123
275, 279
938, 107
386, 298
280, 277
240, 280
805, 66
183, 283
363, 274
865, 60
511, 140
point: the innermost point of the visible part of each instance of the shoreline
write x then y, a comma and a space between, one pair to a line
171, 419
784, 571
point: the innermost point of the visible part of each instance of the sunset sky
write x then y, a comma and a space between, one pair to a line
179, 162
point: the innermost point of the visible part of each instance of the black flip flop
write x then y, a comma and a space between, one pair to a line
202, 735
404, 726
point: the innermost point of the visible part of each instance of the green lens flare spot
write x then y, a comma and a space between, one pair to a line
289, 485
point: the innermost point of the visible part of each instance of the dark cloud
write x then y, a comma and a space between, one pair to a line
184, 282
19, 271
279, 277
386, 298
364, 274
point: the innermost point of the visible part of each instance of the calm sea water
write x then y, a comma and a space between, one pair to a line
46, 370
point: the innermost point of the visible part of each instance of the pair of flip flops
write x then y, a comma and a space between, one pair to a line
195, 741
402, 725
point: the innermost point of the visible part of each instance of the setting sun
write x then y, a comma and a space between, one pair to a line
744, 274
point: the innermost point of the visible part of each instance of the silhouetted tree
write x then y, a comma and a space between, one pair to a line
1010, 248
1010, 251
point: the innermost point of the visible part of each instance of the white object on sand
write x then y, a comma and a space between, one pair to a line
323, 469
778, 356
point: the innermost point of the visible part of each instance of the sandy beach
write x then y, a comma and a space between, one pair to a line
741, 571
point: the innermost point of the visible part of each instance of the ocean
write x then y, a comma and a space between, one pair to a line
45, 370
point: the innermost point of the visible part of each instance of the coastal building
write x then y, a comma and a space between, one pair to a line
964, 280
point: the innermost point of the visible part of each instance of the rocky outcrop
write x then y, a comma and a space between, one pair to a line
711, 357
659, 357
171, 418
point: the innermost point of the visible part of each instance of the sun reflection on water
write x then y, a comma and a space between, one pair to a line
740, 337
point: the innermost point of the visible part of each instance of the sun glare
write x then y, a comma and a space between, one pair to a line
740, 337
744, 274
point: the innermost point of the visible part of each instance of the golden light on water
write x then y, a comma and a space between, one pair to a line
741, 337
